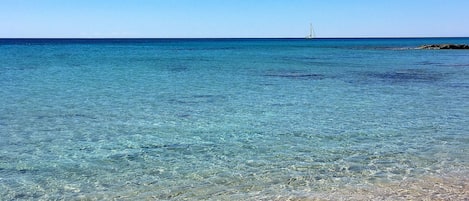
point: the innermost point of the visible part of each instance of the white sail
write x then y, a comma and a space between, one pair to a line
311, 32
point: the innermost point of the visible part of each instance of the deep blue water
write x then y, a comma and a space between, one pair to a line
228, 119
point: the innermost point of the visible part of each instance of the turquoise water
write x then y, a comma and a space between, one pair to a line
229, 119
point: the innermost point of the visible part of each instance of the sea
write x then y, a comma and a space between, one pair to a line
233, 119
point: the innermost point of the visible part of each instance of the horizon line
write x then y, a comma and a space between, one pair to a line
195, 38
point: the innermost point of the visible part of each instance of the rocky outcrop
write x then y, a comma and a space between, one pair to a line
444, 47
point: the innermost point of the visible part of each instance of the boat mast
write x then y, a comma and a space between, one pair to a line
310, 30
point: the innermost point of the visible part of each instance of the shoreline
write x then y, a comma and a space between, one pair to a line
450, 186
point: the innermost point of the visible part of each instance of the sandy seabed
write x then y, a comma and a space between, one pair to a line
454, 186
437, 187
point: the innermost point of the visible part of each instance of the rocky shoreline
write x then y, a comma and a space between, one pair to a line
444, 47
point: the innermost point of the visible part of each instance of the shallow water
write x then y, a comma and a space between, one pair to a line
233, 119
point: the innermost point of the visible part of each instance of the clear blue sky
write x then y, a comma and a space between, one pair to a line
233, 18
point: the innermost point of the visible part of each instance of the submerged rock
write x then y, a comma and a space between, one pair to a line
294, 75
444, 47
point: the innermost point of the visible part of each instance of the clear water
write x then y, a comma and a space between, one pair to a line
232, 119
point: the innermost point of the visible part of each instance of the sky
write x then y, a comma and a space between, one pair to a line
232, 18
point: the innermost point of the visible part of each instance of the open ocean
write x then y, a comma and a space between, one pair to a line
233, 119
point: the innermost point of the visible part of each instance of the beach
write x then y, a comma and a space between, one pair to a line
233, 119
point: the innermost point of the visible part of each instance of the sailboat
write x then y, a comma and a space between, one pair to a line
311, 32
